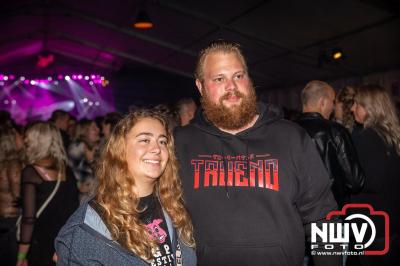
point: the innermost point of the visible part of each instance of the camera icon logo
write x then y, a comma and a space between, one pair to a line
359, 224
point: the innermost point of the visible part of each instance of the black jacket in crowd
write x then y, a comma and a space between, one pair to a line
337, 151
252, 195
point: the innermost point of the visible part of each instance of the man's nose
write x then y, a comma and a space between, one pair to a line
231, 85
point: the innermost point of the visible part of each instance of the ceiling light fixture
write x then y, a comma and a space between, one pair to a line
337, 54
143, 21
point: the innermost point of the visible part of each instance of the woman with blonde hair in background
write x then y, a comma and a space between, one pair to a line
49, 194
137, 216
10, 179
377, 141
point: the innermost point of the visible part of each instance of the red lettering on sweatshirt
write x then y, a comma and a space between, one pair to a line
238, 173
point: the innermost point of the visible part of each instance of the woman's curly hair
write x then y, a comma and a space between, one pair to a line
117, 196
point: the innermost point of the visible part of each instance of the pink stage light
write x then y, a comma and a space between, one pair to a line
74, 77
60, 77
79, 77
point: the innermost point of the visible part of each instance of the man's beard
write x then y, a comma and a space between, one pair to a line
235, 117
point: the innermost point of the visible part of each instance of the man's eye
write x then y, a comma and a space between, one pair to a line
218, 79
144, 140
239, 76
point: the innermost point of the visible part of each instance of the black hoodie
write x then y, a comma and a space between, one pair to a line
252, 194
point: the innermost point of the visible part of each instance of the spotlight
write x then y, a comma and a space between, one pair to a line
86, 77
79, 77
49, 78
67, 78
74, 77
22, 78
5, 78
33, 82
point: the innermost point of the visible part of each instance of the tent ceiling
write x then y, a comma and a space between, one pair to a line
281, 38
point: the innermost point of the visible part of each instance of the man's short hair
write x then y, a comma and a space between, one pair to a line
57, 114
313, 91
221, 46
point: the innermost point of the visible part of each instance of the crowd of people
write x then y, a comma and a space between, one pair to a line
233, 183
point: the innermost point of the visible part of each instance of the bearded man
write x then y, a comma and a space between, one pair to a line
252, 181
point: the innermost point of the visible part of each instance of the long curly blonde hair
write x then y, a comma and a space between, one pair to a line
116, 195
43, 141
381, 113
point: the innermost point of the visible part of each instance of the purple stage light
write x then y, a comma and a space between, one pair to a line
60, 77
92, 76
74, 77
79, 77
1, 76
11, 77
26, 82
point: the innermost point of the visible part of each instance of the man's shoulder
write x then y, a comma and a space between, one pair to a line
185, 132
288, 127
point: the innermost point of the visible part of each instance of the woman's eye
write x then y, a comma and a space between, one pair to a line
164, 142
144, 140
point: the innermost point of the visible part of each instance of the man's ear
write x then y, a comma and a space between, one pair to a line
199, 86
321, 102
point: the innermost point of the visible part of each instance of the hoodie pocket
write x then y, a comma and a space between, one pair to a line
270, 254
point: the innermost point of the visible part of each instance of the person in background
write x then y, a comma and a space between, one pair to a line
71, 127
60, 119
10, 180
332, 140
344, 102
137, 216
186, 108
81, 154
108, 123
49, 194
377, 141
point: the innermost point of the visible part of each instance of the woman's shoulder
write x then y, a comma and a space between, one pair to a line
83, 240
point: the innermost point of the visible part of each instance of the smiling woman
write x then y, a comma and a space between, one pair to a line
137, 216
